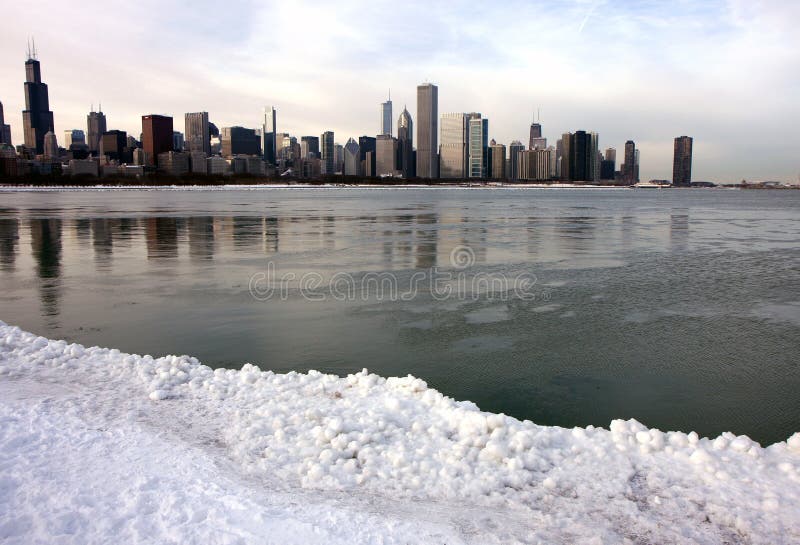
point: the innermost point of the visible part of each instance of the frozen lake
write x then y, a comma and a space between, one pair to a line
678, 308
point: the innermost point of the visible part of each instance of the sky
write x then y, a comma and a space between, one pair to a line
726, 72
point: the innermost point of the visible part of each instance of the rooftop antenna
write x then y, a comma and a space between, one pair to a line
538, 115
34, 48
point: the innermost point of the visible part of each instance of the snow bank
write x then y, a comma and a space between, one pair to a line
398, 442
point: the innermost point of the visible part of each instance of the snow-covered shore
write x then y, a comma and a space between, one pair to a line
98, 446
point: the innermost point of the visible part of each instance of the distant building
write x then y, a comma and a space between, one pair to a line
269, 136
156, 137
607, 169
198, 136
453, 153
478, 146
74, 136
682, 161
240, 141
386, 116
37, 119
309, 147
514, 149
611, 155
405, 145
197, 162
497, 161
536, 164
352, 159
386, 155
84, 167
427, 121
5, 130
174, 163
338, 158
536, 141
366, 145
95, 127
177, 141
113, 145
50, 145
217, 165
628, 168
327, 152
579, 157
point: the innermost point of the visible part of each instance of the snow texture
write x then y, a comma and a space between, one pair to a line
98, 446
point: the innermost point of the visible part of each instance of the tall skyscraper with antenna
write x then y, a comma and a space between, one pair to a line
95, 127
37, 119
386, 116
536, 141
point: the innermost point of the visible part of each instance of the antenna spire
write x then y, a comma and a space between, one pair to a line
34, 47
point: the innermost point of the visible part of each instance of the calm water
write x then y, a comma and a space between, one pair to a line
678, 308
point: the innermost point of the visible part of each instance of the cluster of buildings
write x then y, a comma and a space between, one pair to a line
448, 146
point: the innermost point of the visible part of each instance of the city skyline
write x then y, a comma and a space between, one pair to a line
654, 73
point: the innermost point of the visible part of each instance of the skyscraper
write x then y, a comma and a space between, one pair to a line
405, 144
156, 137
497, 161
74, 136
514, 150
95, 127
427, 137
386, 116
536, 141
366, 145
5, 130
309, 147
352, 161
37, 119
113, 144
385, 155
240, 141
453, 153
50, 145
198, 136
629, 166
682, 161
328, 156
478, 130
579, 156
269, 135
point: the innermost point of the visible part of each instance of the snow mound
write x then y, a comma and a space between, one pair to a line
393, 443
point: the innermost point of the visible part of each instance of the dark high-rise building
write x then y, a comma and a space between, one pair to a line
37, 119
405, 144
198, 137
682, 161
240, 141
628, 169
514, 149
578, 156
5, 130
309, 147
536, 141
113, 144
367, 144
95, 127
427, 131
269, 136
607, 169
156, 137
328, 154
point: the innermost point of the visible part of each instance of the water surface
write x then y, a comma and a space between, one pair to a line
678, 308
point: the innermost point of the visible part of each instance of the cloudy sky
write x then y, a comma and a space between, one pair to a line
726, 72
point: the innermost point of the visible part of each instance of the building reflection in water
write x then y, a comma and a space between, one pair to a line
427, 240
576, 233
9, 238
161, 235
201, 238
679, 229
46, 249
271, 228
247, 231
102, 241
